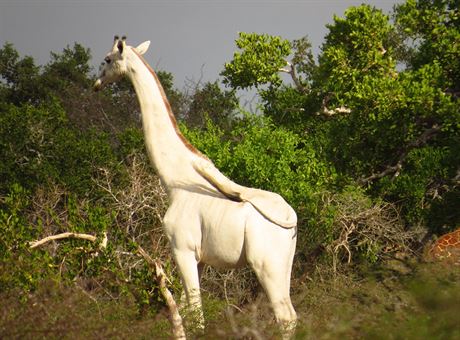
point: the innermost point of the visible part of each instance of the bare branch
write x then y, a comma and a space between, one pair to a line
395, 169
363, 227
175, 318
325, 111
330, 112
290, 69
61, 236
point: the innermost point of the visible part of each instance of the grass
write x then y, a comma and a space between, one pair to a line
61, 312
421, 304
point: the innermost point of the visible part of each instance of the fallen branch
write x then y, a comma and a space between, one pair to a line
61, 236
175, 318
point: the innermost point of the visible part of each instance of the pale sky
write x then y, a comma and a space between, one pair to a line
191, 39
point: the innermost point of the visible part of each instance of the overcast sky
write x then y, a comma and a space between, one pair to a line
192, 39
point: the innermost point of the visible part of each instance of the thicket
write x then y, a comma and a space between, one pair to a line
362, 142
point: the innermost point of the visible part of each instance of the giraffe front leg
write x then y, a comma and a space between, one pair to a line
190, 274
183, 297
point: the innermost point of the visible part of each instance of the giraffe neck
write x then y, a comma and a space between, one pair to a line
169, 151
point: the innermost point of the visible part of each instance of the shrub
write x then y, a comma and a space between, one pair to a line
38, 145
257, 153
364, 230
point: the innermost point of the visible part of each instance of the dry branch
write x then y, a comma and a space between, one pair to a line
290, 69
363, 227
175, 318
61, 236
395, 169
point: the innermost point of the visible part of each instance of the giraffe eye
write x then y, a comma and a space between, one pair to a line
107, 60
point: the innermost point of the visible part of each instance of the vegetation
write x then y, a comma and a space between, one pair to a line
362, 141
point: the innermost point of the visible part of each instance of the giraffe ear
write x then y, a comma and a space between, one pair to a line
142, 48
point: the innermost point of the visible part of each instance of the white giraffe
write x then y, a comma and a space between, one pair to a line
211, 220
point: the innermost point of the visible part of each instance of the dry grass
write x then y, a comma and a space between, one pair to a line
422, 304
63, 312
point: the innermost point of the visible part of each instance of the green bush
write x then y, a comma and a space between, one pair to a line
256, 153
19, 268
39, 145
131, 141
25, 218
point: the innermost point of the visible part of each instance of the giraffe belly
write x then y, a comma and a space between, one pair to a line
223, 230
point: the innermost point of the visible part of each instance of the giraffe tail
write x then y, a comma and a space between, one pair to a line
269, 204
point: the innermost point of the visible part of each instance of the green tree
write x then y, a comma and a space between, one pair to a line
211, 102
260, 63
19, 78
398, 137
69, 66
389, 129
359, 46
432, 30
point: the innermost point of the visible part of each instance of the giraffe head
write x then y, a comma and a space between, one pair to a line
115, 63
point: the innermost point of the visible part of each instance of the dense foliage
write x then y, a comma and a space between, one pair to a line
362, 142
381, 105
